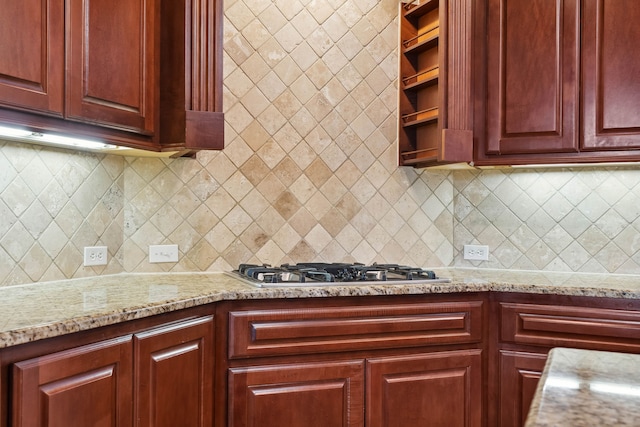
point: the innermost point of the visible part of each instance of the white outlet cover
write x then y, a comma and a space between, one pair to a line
95, 255
476, 252
163, 253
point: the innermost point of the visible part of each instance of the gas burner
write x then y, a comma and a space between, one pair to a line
319, 274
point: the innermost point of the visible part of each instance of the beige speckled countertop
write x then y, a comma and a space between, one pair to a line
587, 388
44, 310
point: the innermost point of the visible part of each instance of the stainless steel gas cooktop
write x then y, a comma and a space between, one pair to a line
328, 274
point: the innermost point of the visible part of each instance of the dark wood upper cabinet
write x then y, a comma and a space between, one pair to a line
139, 73
611, 75
111, 55
31, 69
532, 63
191, 117
556, 82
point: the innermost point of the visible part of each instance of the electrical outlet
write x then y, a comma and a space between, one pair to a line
95, 255
163, 253
476, 252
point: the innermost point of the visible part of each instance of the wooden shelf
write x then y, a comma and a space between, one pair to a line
411, 158
418, 8
422, 79
428, 42
420, 117
426, 39
435, 107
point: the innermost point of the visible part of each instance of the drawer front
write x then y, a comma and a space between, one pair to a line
566, 326
329, 329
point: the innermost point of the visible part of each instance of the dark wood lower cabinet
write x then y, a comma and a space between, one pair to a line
519, 376
528, 326
466, 360
157, 378
327, 394
87, 386
376, 362
174, 375
441, 389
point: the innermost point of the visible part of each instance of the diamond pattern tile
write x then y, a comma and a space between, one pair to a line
564, 220
52, 204
308, 173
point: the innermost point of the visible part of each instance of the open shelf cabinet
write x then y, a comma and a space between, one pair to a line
434, 89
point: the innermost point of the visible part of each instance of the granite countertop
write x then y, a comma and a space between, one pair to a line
43, 310
587, 388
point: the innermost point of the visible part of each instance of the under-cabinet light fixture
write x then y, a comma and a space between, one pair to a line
57, 140
14, 133
573, 165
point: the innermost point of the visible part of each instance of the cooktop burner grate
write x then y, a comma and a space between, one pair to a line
317, 274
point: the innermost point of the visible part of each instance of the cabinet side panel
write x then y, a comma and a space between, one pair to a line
191, 114
205, 58
458, 70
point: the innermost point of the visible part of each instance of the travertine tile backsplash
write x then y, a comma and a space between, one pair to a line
52, 204
583, 220
308, 173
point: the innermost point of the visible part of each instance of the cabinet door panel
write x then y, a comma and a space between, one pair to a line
299, 395
174, 383
532, 84
519, 376
111, 54
87, 386
32, 58
611, 74
436, 390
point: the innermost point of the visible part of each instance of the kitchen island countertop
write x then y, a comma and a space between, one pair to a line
586, 387
44, 310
